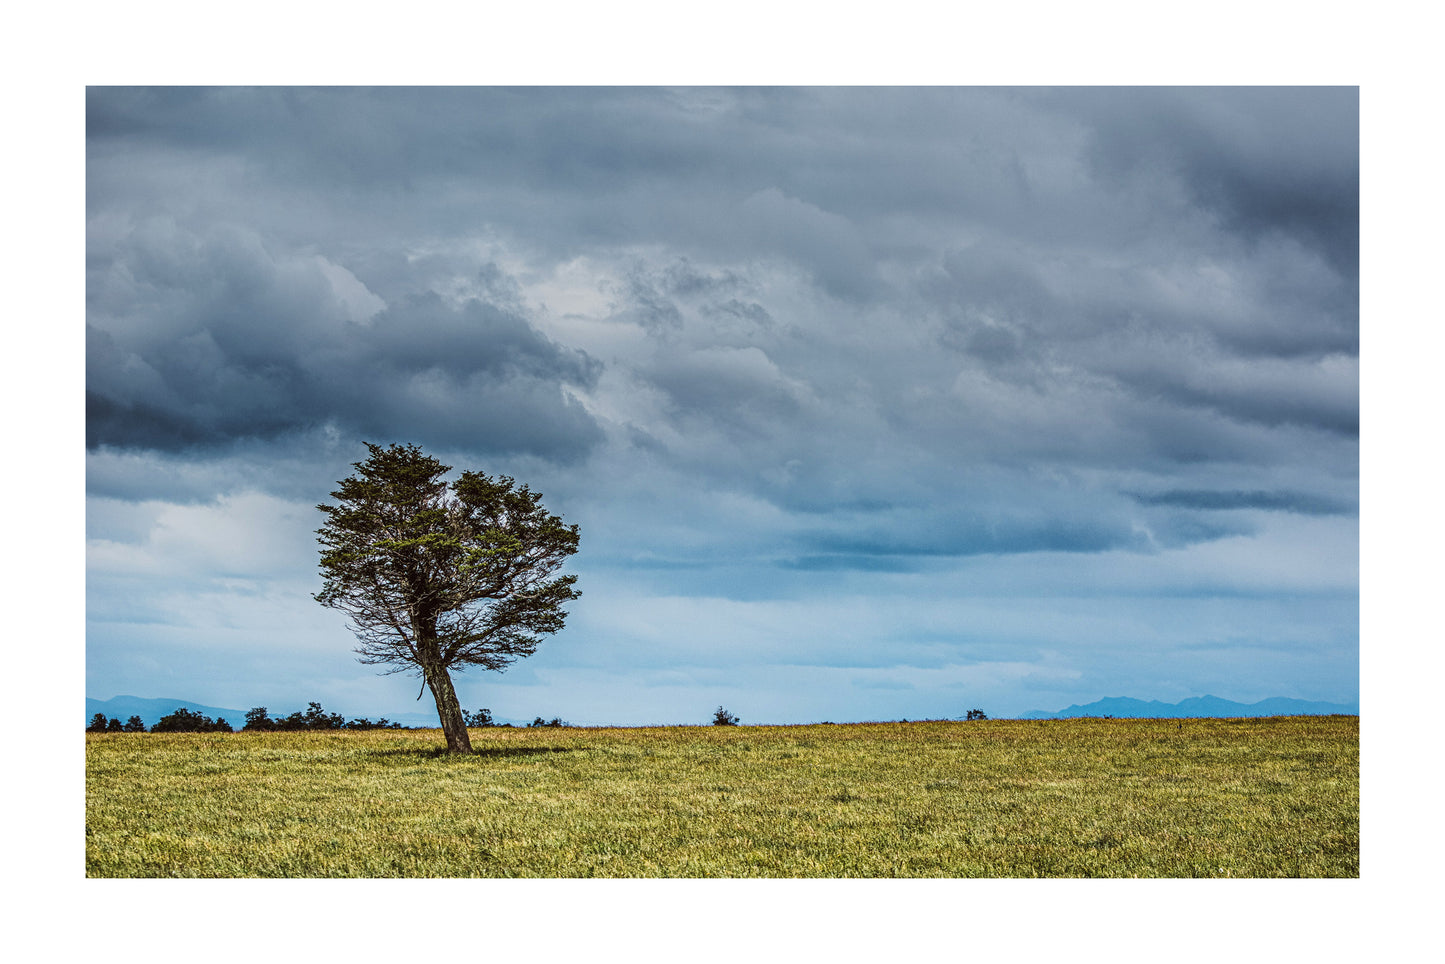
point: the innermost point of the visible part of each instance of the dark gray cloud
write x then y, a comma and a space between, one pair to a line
203, 340
1091, 262
1301, 502
1266, 161
987, 537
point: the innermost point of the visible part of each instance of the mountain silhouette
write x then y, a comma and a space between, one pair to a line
1195, 707
151, 710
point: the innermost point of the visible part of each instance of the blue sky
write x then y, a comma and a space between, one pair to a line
870, 403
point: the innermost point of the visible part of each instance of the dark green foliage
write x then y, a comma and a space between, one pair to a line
186, 721
315, 718
464, 572
554, 721
99, 724
722, 717
436, 577
296, 721
365, 724
256, 719
482, 717
976, 715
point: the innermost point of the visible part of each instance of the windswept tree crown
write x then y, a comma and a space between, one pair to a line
434, 575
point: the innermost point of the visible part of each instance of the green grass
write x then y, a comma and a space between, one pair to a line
1275, 797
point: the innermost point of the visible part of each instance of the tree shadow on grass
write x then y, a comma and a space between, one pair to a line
502, 751
441, 752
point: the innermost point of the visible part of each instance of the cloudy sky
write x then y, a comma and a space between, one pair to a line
870, 403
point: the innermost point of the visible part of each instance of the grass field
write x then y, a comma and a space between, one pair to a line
1275, 797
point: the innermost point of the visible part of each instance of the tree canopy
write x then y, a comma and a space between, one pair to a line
184, 720
437, 576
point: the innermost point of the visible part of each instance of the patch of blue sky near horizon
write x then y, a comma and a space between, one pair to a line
238, 576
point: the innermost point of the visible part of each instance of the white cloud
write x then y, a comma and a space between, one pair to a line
358, 303
242, 535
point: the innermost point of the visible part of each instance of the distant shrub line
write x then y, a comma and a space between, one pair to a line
184, 720
99, 724
315, 718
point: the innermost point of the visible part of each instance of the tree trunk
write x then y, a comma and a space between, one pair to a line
448, 710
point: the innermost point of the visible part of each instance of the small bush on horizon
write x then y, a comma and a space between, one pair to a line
554, 721
976, 715
722, 717
184, 720
363, 723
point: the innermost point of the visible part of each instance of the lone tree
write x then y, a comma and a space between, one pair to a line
437, 576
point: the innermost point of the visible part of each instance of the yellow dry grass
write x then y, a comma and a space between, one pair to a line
1080, 798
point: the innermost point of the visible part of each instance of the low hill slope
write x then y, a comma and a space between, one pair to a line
1197, 707
151, 710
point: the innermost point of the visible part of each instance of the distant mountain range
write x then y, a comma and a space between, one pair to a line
150, 711
1125, 707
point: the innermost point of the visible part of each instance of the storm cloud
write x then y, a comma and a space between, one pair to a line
1018, 372
201, 339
